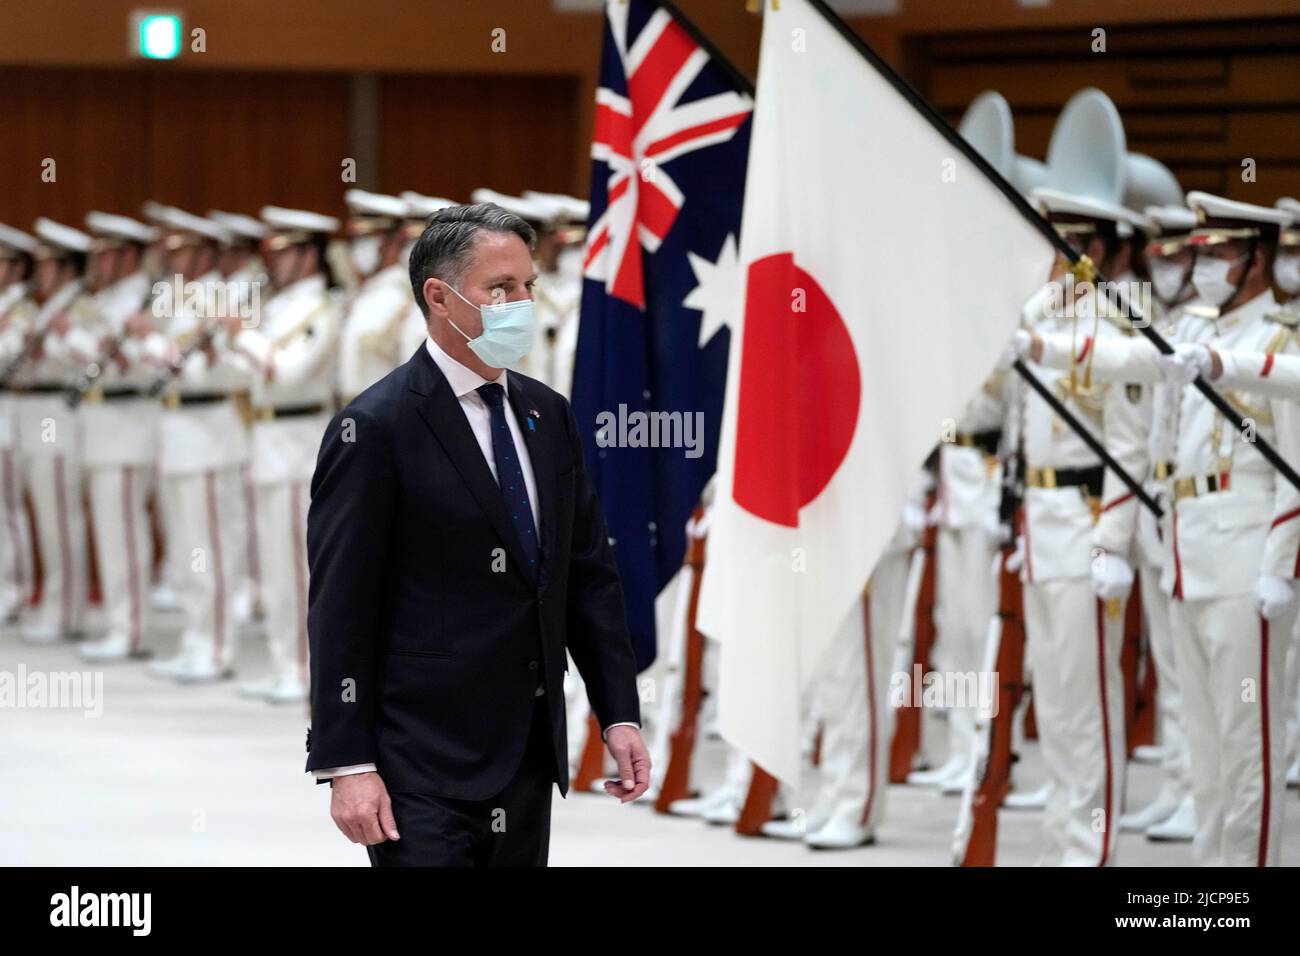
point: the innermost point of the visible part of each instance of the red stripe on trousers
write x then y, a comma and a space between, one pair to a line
1178, 564
1105, 724
65, 548
871, 711
132, 570
219, 584
299, 575
1264, 740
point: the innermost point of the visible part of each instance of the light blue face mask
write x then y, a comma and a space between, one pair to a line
507, 331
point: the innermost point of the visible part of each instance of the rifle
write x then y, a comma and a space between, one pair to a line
33, 341
907, 717
93, 371
975, 839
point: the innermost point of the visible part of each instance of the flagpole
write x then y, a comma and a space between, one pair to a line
1067, 252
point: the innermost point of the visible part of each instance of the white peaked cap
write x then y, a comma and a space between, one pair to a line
16, 239
362, 203
568, 208
154, 212
120, 227
179, 219
1291, 205
65, 237
297, 220
246, 227
1216, 207
1055, 200
521, 207
1172, 218
420, 206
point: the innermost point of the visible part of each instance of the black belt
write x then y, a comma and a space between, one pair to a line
985, 441
197, 398
267, 413
1087, 478
113, 394
41, 389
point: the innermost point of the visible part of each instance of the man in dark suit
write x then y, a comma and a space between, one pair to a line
456, 549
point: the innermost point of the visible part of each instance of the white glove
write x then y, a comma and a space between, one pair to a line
935, 514
1187, 360
1016, 560
1273, 596
1017, 348
1111, 576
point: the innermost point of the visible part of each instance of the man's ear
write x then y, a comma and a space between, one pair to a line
435, 296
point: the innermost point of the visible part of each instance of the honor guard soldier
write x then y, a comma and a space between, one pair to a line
293, 351
559, 289
1078, 532
245, 274
202, 446
50, 432
16, 313
415, 328
120, 422
372, 332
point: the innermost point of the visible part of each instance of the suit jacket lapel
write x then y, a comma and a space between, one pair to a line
441, 412
542, 454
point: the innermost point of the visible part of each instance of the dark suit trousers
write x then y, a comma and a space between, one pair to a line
511, 829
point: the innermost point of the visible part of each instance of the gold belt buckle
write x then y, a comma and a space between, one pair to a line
1047, 477
965, 439
94, 395
1163, 470
172, 400
265, 413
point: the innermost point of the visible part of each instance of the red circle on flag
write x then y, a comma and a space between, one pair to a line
799, 392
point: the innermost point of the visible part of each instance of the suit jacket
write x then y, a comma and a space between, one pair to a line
428, 641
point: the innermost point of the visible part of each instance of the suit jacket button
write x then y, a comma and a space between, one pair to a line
533, 665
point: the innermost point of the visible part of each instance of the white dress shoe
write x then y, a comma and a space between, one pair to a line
287, 690
1180, 827
1293, 776
1149, 753
259, 689
1027, 799
955, 785
695, 806
792, 828
111, 647
40, 634
724, 814
200, 672
839, 833
167, 667
1157, 811
938, 776
164, 598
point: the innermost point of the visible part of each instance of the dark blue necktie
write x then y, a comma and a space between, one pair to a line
510, 476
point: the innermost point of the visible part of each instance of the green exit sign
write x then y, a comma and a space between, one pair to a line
156, 36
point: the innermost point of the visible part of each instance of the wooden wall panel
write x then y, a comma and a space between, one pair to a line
447, 135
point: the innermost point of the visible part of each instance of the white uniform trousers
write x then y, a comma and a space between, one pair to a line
1169, 703
15, 535
281, 518
203, 546
1079, 710
54, 480
118, 494
967, 598
1232, 667
1293, 701
855, 703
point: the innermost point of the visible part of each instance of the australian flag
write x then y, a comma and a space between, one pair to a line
660, 286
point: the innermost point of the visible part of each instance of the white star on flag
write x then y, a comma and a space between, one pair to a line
717, 295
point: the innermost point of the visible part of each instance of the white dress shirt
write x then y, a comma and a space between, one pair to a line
465, 383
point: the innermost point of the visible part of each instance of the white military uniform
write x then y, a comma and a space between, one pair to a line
50, 439
202, 446
294, 353
17, 312
1073, 637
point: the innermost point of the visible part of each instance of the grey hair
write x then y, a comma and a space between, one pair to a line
443, 249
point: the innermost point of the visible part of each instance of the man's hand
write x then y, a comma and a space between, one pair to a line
361, 808
628, 749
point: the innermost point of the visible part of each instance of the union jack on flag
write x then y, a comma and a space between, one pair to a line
668, 153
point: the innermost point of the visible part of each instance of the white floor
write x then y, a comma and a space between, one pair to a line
196, 776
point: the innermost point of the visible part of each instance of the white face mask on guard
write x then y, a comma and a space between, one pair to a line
1167, 278
507, 331
365, 255
1210, 276
1286, 272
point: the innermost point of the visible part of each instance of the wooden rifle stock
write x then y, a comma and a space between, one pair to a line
995, 780
677, 776
758, 802
1139, 676
907, 718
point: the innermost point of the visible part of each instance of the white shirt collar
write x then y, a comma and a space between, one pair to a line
462, 379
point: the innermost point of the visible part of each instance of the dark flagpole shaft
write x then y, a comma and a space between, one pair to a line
1098, 448
1013, 196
